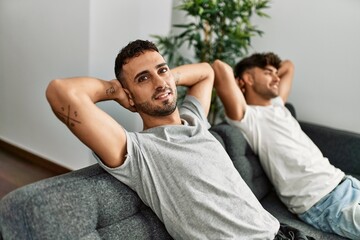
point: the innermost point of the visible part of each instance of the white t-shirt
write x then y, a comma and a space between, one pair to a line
185, 175
296, 167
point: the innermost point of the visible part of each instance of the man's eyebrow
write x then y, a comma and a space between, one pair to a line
271, 69
147, 71
140, 73
161, 65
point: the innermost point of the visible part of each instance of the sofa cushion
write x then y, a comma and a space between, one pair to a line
244, 159
85, 204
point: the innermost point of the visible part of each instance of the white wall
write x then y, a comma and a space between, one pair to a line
322, 38
41, 40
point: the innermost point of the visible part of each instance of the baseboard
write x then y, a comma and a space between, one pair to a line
34, 159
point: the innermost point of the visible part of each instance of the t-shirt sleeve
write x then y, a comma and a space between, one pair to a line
128, 172
192, 109
247, 118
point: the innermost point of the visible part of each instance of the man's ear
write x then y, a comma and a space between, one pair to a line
241, 83
130, 98
247, 78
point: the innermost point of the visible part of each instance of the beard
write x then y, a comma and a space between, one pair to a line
266, 93
167, 108
159, 111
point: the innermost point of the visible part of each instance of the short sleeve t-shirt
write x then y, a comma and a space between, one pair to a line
186, 177
298, 170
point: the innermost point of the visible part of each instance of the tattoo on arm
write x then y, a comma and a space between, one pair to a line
177, 78
67, 116
110, 91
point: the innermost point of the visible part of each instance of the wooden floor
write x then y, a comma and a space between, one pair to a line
16, 172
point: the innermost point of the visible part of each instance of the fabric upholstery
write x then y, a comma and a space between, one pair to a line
343, 152
84, 204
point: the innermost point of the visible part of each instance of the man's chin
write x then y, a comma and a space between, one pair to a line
275, 94
166, 111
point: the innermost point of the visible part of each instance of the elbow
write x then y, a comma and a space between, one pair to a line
217, 62
216, 65
219, 68
208, 67
210, 75
288, 65
53, 89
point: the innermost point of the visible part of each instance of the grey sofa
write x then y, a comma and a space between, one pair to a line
91, 204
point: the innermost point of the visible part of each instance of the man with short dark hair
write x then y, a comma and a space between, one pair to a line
175, 164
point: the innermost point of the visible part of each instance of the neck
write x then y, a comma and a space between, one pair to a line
257, 100
156, 121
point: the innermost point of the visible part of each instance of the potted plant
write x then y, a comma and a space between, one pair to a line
219, 29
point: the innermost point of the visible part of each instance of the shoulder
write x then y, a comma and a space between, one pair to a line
192, 108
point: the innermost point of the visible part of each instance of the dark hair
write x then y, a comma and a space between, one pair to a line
133, 49
260, 60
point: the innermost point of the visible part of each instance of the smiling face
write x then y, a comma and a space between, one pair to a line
150, 84
265, 82
261, 83
258, 77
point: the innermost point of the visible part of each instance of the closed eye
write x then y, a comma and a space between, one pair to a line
270, 71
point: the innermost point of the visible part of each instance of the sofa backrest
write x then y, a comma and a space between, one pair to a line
244, 159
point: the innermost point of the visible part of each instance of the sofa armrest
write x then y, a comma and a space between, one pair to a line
342, 148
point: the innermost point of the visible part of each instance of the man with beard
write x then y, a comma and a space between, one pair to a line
174, 164
305, 181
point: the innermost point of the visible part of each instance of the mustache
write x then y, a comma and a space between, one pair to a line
162, 90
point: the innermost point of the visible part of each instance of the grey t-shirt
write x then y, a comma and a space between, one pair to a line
186, 177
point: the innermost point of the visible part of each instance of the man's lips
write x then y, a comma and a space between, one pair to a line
275, 85
163, 95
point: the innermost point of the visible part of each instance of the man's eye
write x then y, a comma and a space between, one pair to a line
163, 70
143, 78
267, 72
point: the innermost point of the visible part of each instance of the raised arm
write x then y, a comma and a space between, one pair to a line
199, 78
229, 91
286, 75
73, 102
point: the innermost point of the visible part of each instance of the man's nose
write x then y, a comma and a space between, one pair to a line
159, 82
276, 78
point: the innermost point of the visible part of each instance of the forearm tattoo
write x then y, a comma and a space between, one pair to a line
68, 116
